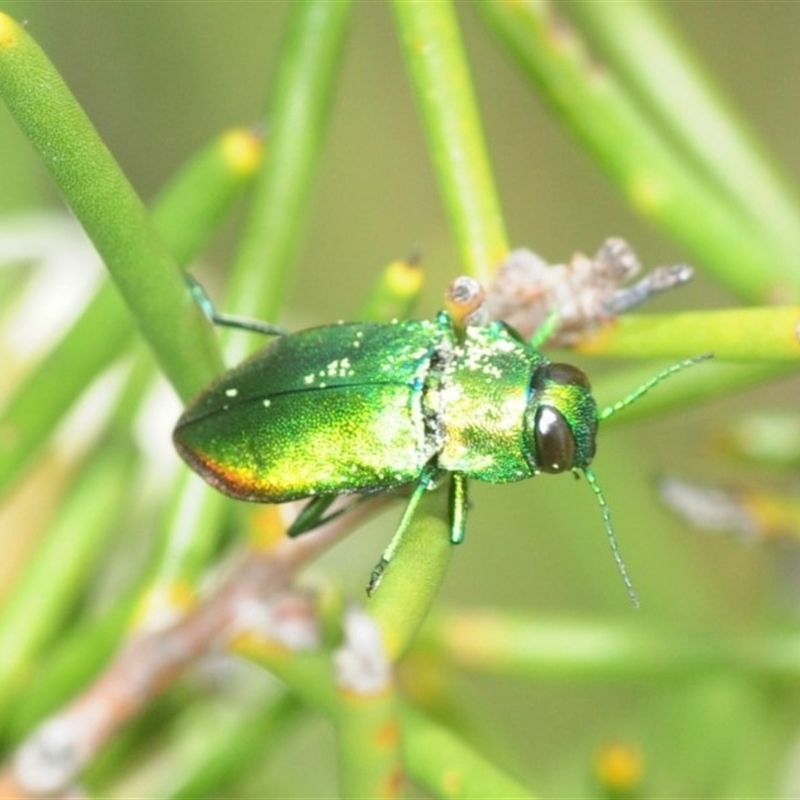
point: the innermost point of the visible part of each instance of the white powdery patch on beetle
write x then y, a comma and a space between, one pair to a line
338, 368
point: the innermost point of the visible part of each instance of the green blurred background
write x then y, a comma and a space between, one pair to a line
161, 79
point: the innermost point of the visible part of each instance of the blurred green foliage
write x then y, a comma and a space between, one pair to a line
159, 81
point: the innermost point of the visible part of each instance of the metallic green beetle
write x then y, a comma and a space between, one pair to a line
366, 407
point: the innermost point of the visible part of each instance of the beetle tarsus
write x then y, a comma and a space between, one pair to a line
377, 576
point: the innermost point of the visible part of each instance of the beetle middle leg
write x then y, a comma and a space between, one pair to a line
312, 515
458, 519
405, 521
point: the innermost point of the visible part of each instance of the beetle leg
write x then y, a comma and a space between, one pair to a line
458, 507
227, 320
311, 515
405, 521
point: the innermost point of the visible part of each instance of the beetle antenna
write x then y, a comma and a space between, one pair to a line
612, 539
647, 386
546, 329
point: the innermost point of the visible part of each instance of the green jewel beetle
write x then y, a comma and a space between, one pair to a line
359, 408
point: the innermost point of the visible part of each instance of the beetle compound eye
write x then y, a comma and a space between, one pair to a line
555, 444
566, 375
558, 375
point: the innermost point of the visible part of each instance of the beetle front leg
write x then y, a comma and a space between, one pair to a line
459, 505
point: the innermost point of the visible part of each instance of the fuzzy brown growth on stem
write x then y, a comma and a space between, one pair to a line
586, 292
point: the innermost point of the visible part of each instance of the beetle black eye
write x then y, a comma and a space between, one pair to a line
567, 375
555, 444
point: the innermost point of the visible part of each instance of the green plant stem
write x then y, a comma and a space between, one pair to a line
394, 294
744, 334
69, 666
462, 772
190, 530
185, 213
194, 204
40, 401
108, 209
60, 565
638, 40
298, 113
222, 753
368, 742
503, 643
448, 767
412, 579
436, 61
188, 534
52, 581
12, 281
656, 180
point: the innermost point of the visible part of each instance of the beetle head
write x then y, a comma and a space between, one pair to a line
560, 423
